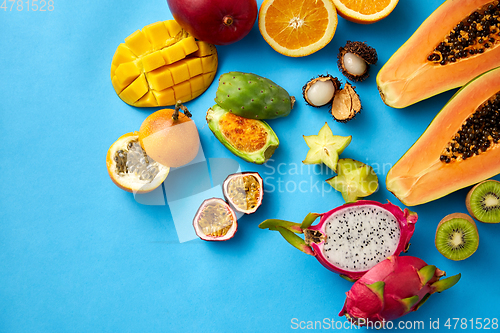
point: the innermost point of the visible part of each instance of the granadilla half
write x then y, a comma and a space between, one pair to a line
354, 59
346, 104
320, 90
244, 191
352, 238
215, 220
130, 168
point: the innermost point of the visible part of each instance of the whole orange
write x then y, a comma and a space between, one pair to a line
169, 141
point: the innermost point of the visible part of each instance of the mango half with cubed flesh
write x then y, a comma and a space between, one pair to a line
161, 65
251, 139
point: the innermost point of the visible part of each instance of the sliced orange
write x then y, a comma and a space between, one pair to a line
297, 28
365, 11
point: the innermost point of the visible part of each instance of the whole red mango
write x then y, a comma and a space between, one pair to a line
219, 22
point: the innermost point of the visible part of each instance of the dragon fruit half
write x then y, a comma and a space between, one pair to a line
352, 238
393, 288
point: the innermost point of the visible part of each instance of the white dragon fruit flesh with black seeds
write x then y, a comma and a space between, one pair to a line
352, 238
359, 237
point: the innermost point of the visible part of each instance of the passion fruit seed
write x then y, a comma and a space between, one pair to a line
135, 160
244, 192
215, 220
480, 132
475, 34
354, 64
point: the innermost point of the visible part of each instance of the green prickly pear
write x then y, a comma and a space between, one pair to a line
253, 96
251, 139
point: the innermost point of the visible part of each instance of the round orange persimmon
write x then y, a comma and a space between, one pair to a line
169, 141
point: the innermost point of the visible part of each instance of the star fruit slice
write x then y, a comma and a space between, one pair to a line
354, 180
325, 147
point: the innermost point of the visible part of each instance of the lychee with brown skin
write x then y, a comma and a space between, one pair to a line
320, 90
354, 59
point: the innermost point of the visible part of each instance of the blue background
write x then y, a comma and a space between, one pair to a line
77, 254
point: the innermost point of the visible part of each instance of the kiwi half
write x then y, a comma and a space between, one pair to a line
483, 201
457, 237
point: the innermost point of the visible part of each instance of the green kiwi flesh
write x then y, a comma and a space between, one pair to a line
457, 237
483, 201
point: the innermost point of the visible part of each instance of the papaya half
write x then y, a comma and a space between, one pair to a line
456, 43
460, 147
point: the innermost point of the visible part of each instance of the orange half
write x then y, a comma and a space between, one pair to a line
297, 28
365, 11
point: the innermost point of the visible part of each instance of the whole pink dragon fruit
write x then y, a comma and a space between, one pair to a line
393, 288
352, 238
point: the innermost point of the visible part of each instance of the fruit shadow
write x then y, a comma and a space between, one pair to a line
151, 209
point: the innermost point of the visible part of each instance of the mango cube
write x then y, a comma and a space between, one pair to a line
189, 45
209, 64
160, 78
208, 78
153, 61
194, 66
146, 100
204, 49
127, 72
165, 97
113, 69
123, 54
182, 91
173, 53
157, 34
117, 85
138, 43
197, 83
135, 90
180, 71
173, 27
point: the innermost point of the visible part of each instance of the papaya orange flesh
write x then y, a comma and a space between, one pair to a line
423, 175
415, 72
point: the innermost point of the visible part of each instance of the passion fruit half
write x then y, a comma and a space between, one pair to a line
244, 191
130, 168
215, 220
